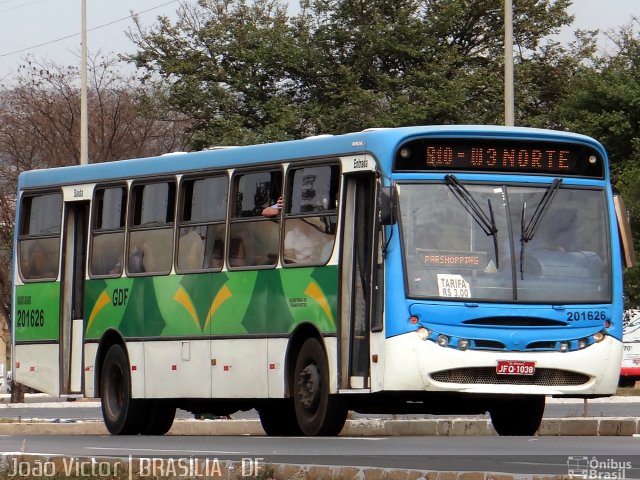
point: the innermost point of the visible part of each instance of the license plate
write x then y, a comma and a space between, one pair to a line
515, 367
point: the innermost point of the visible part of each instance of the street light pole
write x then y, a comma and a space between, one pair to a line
509, 117
84, 123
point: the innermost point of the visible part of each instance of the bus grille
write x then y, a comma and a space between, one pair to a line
488, 375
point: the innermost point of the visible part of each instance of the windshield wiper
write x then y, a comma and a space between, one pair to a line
486, 222
527, 232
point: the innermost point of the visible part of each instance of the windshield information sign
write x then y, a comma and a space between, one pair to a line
499, 156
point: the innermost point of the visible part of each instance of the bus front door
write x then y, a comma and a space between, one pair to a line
76, 218
356, 280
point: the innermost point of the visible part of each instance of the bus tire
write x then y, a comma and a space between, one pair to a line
518, 416
318, 412
626, 382
122, 414
159, 416
278, 418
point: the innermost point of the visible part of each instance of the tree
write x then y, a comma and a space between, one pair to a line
227, 66
39, 128
604, 102
246, 72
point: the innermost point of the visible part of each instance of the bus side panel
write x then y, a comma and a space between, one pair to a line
37, 312
137, 363
224, 303
276, 359
168, 314
90, 352
176, 366
239, 368
37, 366
37, 331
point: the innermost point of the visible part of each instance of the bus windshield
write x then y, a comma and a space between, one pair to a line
539, 247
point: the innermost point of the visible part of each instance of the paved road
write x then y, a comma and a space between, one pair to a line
515, 455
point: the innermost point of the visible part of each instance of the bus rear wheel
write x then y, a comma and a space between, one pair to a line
318, 412
122, 414
517, 416
159, 416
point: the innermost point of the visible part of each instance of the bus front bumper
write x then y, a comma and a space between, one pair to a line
415, 364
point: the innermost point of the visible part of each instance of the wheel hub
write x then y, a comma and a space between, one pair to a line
309, 387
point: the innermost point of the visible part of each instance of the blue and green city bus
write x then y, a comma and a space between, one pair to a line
437, 269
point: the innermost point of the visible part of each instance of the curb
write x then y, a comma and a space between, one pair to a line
576, 426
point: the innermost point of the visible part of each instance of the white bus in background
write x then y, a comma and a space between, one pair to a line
630, 370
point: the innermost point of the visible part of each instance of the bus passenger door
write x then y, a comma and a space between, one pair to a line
356, 281
74, 246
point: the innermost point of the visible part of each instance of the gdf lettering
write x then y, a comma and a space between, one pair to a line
120, 297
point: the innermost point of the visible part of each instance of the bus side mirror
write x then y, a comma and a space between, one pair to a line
386, 205
624, 229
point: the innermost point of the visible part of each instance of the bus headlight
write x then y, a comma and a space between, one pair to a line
564, 347
423, 333
598, 337
463, 344
443, 340
583, 343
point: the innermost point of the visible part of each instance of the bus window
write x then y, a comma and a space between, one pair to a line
310, 215
253, 239
39, 241
151, 228
107, 236
201, 223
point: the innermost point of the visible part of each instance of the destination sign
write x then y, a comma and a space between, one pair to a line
499, 156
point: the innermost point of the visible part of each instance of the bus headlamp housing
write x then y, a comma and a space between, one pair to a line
423, 333
463, 344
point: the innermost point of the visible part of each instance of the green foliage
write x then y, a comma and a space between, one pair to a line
604, 102
248, 72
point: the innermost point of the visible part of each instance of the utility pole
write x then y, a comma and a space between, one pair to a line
84, 122
509, 117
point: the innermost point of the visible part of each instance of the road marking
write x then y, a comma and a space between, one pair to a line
156, 450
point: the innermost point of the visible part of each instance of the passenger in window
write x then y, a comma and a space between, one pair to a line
40, 264
305, 241
191, 251
274, 210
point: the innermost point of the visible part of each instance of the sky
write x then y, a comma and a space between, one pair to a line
49, 30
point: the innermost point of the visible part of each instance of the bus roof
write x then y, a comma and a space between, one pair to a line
380, 142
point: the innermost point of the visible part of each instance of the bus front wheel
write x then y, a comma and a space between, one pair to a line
278, 418
121, 413
517, 416
318, 412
